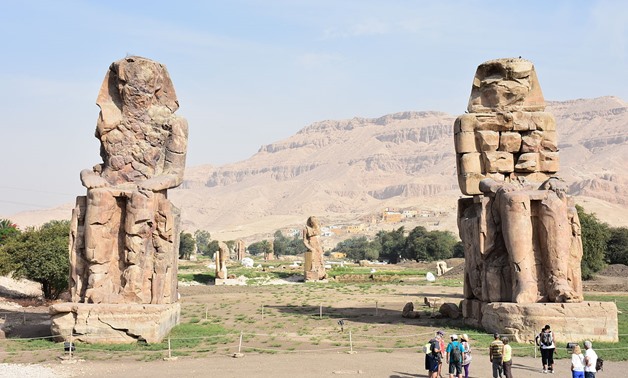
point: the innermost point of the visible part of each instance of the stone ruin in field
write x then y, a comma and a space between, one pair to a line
314, 266
125, 232
520, 229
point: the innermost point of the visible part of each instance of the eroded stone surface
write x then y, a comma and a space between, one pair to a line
520, 230
113, 323
595, 321
124, 238
505, 124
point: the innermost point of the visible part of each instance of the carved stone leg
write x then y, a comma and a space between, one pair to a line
555, 233
518, 238
102, 221
138, 227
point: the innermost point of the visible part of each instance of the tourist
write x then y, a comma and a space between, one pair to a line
432, 357
440, 336
577, 363
590, 360
495, 354
466, 357
454, 357
546, 341
507, 358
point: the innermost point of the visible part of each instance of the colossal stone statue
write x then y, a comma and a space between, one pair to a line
521, 227
520, 230
314, 265
125, 232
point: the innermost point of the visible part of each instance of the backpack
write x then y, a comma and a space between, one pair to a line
456, 353
429, 347
547, 339
599, 364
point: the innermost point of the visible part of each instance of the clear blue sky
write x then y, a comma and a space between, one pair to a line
249, 73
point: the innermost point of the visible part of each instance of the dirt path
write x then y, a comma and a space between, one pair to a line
364, 364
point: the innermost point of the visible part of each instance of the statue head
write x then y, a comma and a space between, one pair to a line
505, 85
131, 87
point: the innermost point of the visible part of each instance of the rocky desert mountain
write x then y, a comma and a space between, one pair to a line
348, 171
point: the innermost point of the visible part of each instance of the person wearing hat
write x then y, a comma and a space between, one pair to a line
433, 355
455, 352
466, 356
496, 353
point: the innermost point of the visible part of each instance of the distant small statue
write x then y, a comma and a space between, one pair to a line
441, 268
240, 249
314, 265
220, 257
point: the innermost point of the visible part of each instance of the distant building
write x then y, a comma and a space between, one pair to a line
391, 216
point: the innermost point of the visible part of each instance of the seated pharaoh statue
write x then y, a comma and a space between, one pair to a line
125, 234
520, 229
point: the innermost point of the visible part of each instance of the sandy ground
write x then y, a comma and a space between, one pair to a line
364, 364
372, 311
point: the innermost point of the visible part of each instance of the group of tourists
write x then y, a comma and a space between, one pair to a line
457, 354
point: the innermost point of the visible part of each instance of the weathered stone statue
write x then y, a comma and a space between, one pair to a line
220, 257
314, 265
240, 249
520, 230
441, 268
125, 232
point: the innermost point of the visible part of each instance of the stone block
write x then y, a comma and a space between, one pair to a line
450, 310
528, 162
464, 142
465, 122
549, 161
531, 141
550, 141
543, 121
498, 161
494, 121
113, 323
509, 141
596, 321
522, 121
469, 183
471, 163
487, 140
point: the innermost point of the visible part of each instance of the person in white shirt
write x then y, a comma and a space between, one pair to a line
590, 360
577, 363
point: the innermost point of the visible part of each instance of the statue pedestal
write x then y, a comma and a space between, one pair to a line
595, 321
113, 323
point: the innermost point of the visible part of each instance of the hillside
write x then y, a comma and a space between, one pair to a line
348, 171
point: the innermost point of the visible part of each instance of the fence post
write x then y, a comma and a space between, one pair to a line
376, 308
240, 344
169, 349
71, 342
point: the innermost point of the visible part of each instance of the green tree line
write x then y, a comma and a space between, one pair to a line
41, 254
